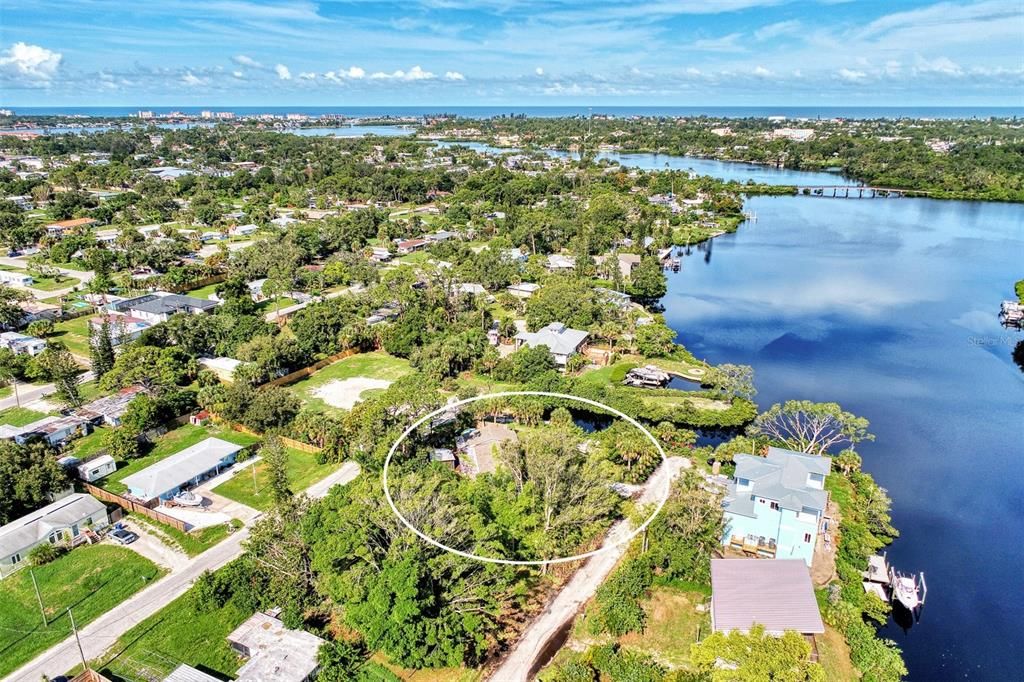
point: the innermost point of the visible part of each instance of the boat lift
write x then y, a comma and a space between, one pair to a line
890, 585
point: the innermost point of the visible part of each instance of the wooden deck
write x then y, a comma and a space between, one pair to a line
752, 546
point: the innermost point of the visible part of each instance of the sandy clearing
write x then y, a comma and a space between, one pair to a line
344, 393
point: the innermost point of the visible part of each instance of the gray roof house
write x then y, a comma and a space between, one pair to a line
774, 593
562, 341
60, 521
274, 651
157, 307
189, 467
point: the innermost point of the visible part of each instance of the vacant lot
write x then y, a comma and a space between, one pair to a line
91, 580
325, 387
19, 416
168, 444
74, 334
303, 471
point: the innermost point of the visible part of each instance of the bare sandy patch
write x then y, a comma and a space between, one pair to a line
344, 393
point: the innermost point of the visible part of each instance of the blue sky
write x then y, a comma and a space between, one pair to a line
496, 52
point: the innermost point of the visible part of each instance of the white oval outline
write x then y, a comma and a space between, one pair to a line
511, 562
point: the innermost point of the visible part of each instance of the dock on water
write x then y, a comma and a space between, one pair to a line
888, 584
1011, 314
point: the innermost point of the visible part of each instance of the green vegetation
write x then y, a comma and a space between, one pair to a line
74, 334
303, 470
92, 579
192, 542
1018, 289
377, 365
19, 416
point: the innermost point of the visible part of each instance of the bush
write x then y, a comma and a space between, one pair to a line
618, 608
43, 554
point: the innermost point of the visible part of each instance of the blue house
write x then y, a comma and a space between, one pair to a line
774, 505
190, 467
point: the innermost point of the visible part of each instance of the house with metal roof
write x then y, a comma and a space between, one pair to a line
274, 651
109, 409
157, 307
54, 430
560, 340
189, 467
775, 504
777, 595
59, 522
22, 344
523, 289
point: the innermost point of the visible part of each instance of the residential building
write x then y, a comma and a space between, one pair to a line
626, 262
409, 245
163, 480
15, 279
777, 595
54, 430
36, 310
96, 468
283, 221
515, 255
775, 504
561, 341
224, 368
186, 673
58, 228
57, 523
168, 173
523, 289
379, 254
157, 307
122, 328
274, 651
256, 290
243, 230
109, 409
559, 263
22, 344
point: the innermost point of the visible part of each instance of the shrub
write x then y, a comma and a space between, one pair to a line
43, 554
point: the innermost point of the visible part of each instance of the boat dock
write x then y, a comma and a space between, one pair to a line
888, 584
1011, 314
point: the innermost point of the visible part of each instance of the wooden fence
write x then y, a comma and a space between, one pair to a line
287, 442
135, 507
306, 371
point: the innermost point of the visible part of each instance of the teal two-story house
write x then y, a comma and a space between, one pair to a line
775, 504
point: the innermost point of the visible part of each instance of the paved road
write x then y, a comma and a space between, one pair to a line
28, 393
102, 633
518, 665
85, 276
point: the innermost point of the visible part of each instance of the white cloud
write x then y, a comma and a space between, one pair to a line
852, 75
942, 66
246, 60
539, 71
416, 73
453, 76
192, 80
238, 74
307, 76
354, 72
283, 72
30, 64
727, 43
761, 72
777, 29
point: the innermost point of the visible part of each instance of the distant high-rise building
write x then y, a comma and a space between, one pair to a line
206, 114
145, 114
225, 115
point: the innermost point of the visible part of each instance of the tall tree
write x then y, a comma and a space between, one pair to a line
29, 474
811, 427
101, 350
275, 456
59, 366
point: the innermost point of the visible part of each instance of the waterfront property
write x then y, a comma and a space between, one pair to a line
274, 651
163, 480
561, 341
775, 504
60, 522
775, 594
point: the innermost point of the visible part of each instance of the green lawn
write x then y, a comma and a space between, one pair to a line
74, 334
176, 634
303, 471
376, 365
87, 446
19, 416
168, 444
90, 579
203, 292
51, 284
191, 543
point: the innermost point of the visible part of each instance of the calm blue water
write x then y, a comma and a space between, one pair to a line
888, 307
344, 131
555, 111
726, 170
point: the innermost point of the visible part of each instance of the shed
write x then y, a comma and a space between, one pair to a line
775, 593
274, 651
96, 468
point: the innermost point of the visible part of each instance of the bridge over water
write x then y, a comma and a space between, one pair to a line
857, 192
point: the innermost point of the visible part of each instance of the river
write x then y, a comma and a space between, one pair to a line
888, 307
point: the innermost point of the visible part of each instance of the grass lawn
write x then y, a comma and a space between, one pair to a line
672, 625
176, 634
376, 365
87, 446
51, 284
6, 391
19, 416
303, 471
90, 579
270, 305
74, 334
168, 444
191, 543
203, 292
834, 656
428, 675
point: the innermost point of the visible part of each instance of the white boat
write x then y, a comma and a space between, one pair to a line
909, 590
187, 498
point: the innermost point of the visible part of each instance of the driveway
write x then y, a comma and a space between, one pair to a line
530, 651
149, 546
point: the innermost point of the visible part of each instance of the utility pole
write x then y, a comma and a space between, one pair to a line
77, 640
39, 597
14, 384
255, 490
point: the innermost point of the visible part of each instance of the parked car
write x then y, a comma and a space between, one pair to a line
123, 536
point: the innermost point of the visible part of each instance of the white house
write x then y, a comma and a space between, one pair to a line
243, 230
561, 341
523, 289
60, 522
274, 652
54, 430
96, 468
123, 328
22, 344
15, 279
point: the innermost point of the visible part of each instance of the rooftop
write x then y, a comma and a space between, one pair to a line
32, 528
775, 593
781, 476
559, 339
179, 468
275, 652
